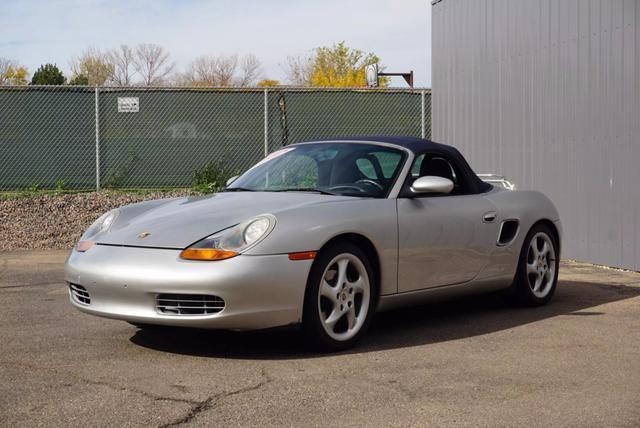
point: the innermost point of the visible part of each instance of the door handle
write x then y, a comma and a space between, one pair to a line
489, 217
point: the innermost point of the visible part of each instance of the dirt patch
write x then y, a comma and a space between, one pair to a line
57, 221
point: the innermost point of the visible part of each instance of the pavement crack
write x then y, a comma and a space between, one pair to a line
112, 386
195, 411
212, 401
150, 395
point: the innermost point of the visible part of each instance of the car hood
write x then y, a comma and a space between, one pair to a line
178, 223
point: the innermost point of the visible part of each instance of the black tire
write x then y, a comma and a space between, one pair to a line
314, 331
522, 291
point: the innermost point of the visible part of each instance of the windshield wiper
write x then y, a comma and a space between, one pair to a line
305, 189
238, 189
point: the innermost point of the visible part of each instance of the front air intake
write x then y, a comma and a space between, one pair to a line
79, 294
188, 304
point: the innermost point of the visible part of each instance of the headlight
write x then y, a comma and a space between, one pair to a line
101, 225
232, 241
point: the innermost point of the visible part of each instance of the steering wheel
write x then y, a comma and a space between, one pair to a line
373, 183
346, 187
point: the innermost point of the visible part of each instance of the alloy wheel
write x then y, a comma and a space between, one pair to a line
343, 297
541, 264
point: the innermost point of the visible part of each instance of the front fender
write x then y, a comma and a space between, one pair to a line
309, 228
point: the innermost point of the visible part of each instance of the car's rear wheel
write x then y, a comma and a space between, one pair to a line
537, 275
339, 299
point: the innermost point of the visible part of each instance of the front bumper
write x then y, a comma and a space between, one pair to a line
124, 282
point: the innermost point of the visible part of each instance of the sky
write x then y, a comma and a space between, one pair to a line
398, 31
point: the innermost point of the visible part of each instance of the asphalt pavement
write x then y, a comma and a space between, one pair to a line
477, 361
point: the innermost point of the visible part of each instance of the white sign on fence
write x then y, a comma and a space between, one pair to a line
128, 105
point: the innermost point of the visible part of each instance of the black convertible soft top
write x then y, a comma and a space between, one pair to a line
420, 146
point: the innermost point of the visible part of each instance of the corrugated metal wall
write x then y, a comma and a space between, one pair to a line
547, 92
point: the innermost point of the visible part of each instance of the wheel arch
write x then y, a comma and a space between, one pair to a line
315, 332
369, 249
551, 225
516, 293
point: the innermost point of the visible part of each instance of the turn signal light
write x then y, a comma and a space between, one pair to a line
206, 254
303, 255
83, 246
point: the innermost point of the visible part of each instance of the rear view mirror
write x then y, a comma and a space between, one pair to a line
432, 184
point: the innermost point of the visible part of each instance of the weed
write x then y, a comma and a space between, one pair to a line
33, 188
59, 187
211, 177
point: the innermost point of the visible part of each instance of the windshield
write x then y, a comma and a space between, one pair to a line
349, 169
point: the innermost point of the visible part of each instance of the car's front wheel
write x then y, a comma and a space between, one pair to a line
340, 296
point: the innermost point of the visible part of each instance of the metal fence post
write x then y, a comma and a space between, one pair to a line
422, 121
97, 138
266, 122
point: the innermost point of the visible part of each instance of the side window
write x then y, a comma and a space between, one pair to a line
440, 166
433, 165
415, 168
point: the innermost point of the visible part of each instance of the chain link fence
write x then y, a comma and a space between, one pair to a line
92, 138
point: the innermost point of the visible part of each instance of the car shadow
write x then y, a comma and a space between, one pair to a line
421, 325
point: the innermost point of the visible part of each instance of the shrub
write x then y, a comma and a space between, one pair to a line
211, 177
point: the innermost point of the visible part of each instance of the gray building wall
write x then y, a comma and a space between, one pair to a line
547, 92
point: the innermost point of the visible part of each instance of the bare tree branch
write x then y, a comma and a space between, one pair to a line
223, 70
5, 65
298, 70
152, 64
122, 59
203, 71
250, 70
226, 67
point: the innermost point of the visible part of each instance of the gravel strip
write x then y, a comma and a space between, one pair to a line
57, 221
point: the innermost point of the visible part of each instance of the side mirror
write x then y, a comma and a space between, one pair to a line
432, 184
232, 179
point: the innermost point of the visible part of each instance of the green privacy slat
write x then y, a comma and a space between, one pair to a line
49, 133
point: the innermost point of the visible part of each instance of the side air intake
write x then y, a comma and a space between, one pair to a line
508, 232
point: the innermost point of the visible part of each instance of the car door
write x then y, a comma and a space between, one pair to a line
443, 239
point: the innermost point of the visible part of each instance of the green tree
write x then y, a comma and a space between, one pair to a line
79, 80
94, 66
48, 74
335, 66
12, 73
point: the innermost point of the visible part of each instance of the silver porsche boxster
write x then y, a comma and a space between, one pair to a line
321, 234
